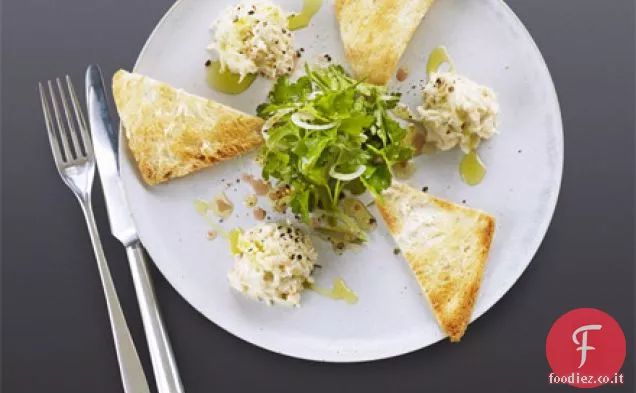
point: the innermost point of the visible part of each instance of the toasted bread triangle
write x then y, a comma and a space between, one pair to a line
172, 133
446, 246
375, 34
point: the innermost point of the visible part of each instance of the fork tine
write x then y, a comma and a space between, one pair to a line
69, 120
50, 127
79, 115
60, 125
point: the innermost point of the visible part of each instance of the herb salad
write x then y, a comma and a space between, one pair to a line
326, 133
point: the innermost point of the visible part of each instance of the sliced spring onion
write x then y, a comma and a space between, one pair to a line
347, 176
389, 98
297, 119
314, 94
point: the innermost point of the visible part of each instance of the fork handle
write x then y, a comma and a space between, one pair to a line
130, 368
161, 355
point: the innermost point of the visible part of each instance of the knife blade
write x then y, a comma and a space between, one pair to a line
105, 143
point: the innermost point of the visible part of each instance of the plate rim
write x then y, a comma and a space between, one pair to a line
477, 313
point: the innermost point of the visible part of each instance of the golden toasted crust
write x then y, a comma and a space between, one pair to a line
375, 34
447, 252
172, 133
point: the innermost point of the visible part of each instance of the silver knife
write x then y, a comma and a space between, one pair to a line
105, 142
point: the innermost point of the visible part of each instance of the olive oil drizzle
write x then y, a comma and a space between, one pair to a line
226, 81
301, 20
233, 237
438, 57
202, 207
340, 291
472, 169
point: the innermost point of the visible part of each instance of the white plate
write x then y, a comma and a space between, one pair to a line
490, 45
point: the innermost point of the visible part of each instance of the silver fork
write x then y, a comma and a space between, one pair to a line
75, 161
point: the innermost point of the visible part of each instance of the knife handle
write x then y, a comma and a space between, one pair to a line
130, 368
161, 356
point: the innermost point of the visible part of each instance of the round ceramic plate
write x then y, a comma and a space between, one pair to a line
488, 44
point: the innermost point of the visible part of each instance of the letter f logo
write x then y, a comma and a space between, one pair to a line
584, 347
